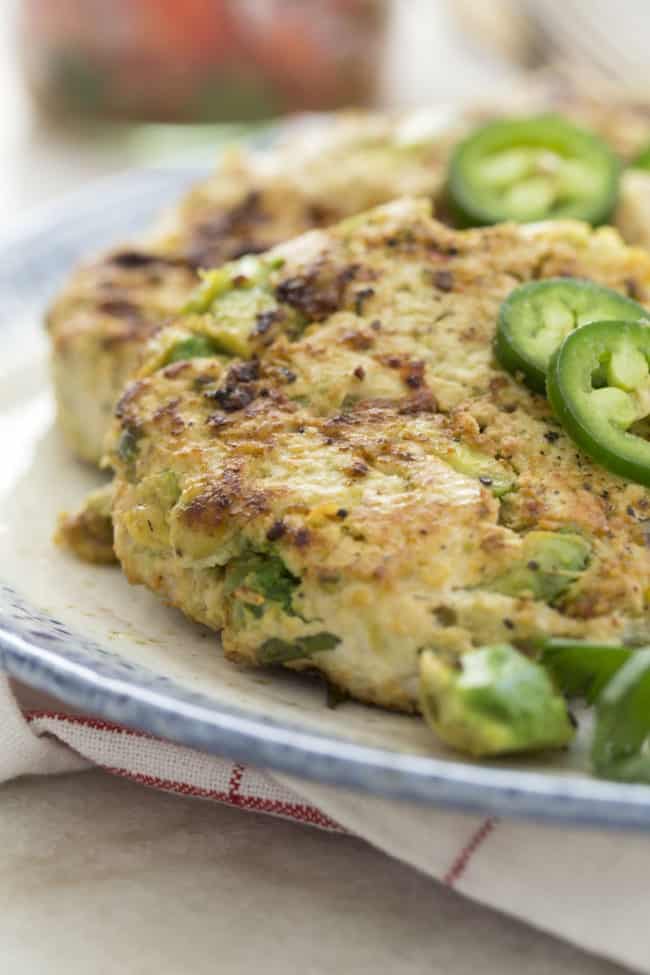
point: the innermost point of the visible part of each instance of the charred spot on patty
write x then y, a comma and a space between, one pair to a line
276, 531
288, 375
413, 374
265, 320
392, 361
228, 497
232, 397
119, 307
358, 468
238, 390
134, 260
443, 280
169, 417
360, 299
422, 402
306, 296
230, 235
358, 339
318, 215
176, 368
216, 421
301, 537
129, 259
132, 391
316, 294
244, 372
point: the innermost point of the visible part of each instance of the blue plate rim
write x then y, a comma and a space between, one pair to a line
285, 748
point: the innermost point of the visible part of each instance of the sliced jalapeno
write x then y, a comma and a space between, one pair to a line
582, 668
599, 386
532, 169
536, 317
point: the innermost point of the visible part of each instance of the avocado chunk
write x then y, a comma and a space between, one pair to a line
492, 701
489, 471
550, 562
233, 321
148, 520
248, 272
231, 299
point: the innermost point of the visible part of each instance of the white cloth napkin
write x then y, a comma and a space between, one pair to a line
586, 886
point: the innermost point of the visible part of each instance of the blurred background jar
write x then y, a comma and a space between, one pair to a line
200, 60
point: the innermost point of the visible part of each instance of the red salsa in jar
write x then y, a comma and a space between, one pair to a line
201, 60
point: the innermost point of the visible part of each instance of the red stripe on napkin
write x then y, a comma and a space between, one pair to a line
141, 758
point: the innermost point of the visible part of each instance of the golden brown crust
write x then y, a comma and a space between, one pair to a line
110, 307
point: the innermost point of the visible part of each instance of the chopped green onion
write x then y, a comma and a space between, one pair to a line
582, 668
621, 747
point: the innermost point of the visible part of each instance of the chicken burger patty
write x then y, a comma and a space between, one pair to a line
111, 306
324, 460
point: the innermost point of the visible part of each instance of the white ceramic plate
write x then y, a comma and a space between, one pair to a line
83, 634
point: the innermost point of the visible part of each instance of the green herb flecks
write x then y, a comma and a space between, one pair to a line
276, 651
127, 449
265, 574
194, 347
